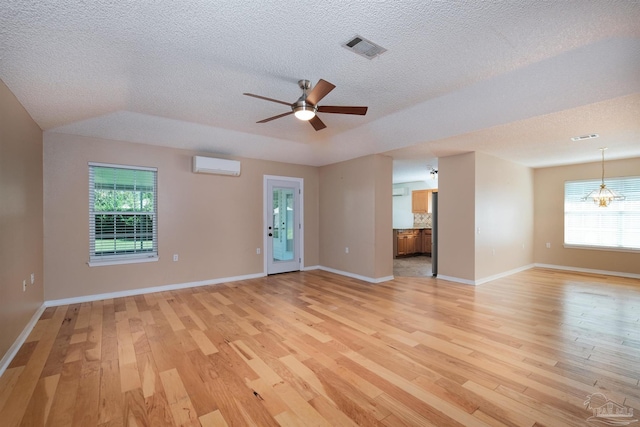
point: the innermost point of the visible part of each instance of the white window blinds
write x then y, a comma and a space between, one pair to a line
616, 226
122, 212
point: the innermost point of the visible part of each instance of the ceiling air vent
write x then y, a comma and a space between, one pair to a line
583, 137
364, 47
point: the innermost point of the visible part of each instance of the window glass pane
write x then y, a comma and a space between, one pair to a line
122, 212
614, 226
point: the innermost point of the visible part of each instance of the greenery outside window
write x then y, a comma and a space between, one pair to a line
122, 214
615, 227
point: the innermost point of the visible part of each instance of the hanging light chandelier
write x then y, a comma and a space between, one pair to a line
433, 173
603, 196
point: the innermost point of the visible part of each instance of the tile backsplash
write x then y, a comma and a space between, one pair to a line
422, 220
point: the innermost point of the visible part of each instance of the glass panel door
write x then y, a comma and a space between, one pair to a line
283, 225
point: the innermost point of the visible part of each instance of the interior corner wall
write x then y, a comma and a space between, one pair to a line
504, 195
355, 213
21, 229
549, 218
213, 222
456, 216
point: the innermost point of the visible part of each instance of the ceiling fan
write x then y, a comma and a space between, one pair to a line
306, 107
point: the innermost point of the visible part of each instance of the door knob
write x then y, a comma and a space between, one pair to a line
270, 234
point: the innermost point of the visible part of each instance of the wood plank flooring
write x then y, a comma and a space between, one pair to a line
318, 349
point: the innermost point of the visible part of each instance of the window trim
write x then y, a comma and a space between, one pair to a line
125, 258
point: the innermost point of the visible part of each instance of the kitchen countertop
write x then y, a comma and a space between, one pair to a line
413, 228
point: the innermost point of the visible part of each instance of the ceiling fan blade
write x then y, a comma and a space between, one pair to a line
360, 111
268, 99
275, 117
317, 123
319, 91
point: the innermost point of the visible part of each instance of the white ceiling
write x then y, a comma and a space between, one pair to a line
514, 79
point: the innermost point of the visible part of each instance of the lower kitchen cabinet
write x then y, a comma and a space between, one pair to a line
411, 242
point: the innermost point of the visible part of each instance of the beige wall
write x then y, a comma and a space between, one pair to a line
383, 211
21, 230
355, 212
504, 214
456, 216
485, 216
214, 223
549, 218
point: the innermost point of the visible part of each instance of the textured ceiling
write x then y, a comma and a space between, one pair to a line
513, 79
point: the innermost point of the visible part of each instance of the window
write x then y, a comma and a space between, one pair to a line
122, 214
614, 227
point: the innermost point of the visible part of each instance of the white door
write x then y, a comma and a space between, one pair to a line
283, 225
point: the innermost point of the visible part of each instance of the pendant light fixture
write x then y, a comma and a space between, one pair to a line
603, 196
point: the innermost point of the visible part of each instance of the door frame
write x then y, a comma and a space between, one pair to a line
266, 217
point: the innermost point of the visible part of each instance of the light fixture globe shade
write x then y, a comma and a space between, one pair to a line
304, 111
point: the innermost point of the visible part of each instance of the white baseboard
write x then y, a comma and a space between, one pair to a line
310, 267
588, 270
456, 279
356, 276
140, 291
13, 350
504, 274
486, 279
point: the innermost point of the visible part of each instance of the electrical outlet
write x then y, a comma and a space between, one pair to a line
33, 278
257, 251
346, 250
548, 245
24, 286
175, 257
493, 251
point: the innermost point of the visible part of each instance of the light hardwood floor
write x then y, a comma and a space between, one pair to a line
314, 348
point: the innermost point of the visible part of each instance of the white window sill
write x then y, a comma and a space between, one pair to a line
601, 248
111, 261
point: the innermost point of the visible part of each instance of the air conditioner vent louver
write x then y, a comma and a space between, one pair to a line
364, 47
400, 191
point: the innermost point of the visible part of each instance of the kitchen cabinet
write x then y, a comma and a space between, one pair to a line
411, 242
420, 201
407, 242
426, 241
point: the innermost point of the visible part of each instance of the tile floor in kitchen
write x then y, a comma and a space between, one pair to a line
414, 266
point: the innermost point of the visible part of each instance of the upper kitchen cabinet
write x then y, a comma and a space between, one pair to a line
420, 201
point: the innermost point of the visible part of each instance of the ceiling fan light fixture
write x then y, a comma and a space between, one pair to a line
304, 111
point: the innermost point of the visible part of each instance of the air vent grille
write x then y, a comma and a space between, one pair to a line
364, 47
583, 137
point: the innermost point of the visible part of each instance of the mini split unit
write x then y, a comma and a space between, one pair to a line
216, 166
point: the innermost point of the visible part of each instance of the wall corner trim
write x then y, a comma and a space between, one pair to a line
356, 276
13, 350
588, 270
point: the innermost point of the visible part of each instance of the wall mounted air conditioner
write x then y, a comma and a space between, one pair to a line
400, 191
216, 166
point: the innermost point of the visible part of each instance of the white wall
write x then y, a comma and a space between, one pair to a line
402, 215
